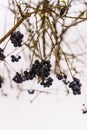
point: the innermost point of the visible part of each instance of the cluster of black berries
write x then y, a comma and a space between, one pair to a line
39, 69
42, 70
18, 78
26, 75
63, 77
14, 58
75, 85
29, 74
2, 56
16, 39
47, 82
1, 81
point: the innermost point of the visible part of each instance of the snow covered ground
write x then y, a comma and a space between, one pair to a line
42, 114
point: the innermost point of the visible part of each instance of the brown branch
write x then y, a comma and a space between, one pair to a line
15, 26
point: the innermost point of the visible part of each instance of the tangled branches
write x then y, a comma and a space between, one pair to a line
41, 38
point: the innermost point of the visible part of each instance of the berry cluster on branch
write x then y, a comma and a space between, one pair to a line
45, 32
16, 39
39, 69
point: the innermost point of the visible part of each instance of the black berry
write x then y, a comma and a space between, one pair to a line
59, 76
31, 91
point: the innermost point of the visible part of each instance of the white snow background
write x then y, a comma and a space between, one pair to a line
47, 112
